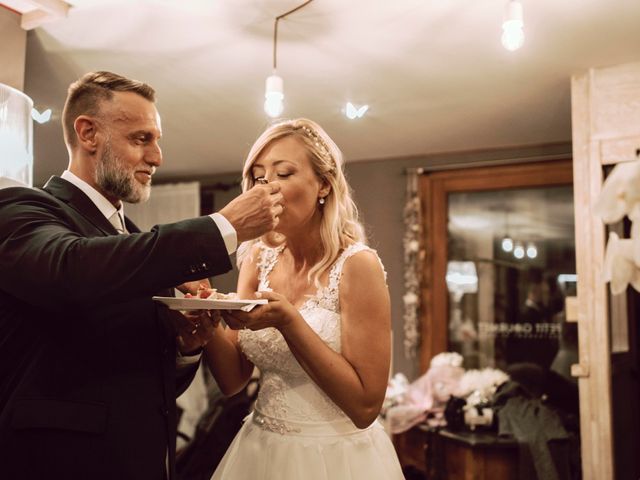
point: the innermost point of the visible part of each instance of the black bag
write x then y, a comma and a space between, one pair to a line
214, 433
454, 413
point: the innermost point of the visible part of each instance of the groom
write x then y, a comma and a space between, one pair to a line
88, 374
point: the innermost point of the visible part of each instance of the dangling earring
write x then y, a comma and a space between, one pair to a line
321, 200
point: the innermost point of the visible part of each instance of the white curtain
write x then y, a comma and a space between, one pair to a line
16, 138
168, 203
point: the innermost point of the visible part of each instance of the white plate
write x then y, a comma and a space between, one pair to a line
206, 304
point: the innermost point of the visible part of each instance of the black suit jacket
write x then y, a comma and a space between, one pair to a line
87, 359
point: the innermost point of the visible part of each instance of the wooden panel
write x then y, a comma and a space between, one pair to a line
571, 309
458, 460
457, 455
614, 102
463, 462
410, 447
593, 327
431, 337
618, 150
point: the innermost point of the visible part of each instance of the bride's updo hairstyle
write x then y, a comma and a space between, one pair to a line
339, 226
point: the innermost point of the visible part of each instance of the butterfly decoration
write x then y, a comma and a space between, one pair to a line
41, 118
352, 112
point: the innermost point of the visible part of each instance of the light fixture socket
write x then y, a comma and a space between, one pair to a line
514, 13
274, 84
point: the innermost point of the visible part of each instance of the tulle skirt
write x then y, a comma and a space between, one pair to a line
317, 451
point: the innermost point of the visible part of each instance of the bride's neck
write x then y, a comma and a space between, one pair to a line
305, 250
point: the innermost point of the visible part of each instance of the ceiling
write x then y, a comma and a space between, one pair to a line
434, 72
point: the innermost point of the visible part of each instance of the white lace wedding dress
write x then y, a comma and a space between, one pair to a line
295, 431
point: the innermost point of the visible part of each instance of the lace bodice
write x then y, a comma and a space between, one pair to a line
286, 391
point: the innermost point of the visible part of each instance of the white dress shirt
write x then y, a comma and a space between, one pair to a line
227, 231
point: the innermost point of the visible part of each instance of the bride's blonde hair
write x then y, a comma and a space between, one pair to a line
339, 226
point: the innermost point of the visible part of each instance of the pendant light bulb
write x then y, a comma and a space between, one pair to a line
274, 96
518, 251
512, 27
532, 250
507, 244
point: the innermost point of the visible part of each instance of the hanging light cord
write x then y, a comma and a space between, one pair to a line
275, 29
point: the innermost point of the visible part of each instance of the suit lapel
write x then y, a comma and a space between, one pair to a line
76, 199
130, 226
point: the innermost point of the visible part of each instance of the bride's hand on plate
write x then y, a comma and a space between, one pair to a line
278, 313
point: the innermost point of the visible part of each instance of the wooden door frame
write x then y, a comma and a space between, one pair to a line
605, 131
434, 188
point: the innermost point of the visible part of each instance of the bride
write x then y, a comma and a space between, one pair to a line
322, 343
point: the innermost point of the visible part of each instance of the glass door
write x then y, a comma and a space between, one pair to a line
498, 274
499, 263
510, 267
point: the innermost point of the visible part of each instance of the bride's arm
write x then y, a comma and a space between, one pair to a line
229, 366
356, 379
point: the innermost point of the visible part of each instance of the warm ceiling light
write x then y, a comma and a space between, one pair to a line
518, 251
274, 91
507, 244
274, 96
512, 27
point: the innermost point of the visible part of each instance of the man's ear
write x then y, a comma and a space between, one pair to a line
86, 133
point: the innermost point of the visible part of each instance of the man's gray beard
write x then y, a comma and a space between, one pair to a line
115, 179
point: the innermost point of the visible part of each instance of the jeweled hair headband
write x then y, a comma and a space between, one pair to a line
317, 141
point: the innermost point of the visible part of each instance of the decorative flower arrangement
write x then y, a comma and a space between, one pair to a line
413, 256
396, 390
407, 404
620, 196
477, 387
447, 358
426, 398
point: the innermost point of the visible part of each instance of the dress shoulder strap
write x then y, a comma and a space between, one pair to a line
336, 270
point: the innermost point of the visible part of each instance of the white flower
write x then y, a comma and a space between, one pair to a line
635, 239
397, 386
410, 298
619, 267
413, 246
447, 358
476, 398
620, 193
484, 382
